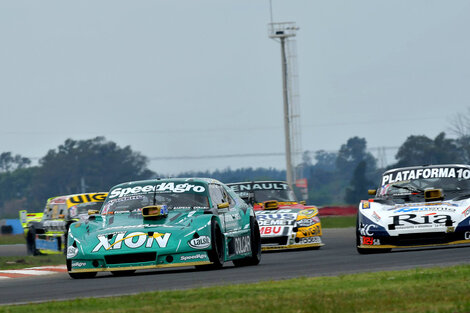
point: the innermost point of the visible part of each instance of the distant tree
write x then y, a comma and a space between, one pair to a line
351, 154
460, 126
96, 164
421, 150
359, 185
10, 162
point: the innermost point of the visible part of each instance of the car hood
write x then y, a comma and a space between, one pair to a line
131, 232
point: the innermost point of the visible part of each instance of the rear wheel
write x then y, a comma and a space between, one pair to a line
31, 242
216, 254
255, 236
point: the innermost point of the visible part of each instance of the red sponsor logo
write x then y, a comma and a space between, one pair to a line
367, 240
269, 230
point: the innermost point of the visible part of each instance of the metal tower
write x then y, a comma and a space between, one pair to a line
285, 34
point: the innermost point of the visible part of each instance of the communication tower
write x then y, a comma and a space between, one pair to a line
285, 33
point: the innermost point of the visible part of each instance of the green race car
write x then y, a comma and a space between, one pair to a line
165, 223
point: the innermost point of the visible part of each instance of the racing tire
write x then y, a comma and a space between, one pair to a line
122, 273
83, 275
255, 236
216, 254
31, 242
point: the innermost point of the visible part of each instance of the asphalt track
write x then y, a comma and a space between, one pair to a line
338, 256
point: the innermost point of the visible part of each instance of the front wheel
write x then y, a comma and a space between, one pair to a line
216, 254
255, 256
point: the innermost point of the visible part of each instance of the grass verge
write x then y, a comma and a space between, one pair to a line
12, 239
338, 221
418, 290
18, 262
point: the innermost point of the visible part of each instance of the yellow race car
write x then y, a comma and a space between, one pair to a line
46, 233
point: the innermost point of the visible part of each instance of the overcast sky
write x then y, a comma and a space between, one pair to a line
194, 78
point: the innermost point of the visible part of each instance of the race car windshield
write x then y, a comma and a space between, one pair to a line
174, 201
450, 186
279, 195
83, 208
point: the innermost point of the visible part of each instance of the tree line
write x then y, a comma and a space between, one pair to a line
96, 164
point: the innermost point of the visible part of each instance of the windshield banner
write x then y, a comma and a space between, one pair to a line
424, 173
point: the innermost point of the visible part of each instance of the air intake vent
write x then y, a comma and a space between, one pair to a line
131, 258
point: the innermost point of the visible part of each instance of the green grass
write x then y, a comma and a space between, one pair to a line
12, 239
17, 262
338, 221
419, 290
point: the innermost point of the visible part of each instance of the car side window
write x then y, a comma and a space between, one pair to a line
219, 195
216, 195
228, 198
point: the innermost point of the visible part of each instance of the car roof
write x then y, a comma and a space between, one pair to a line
257, 182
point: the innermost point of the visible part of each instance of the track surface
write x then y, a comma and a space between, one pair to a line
339, 256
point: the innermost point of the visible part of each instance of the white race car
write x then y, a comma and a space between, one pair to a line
416, 207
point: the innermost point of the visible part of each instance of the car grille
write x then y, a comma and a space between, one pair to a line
282, 240
424, 239
131, 258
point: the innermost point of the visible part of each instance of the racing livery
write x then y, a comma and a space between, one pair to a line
46, 232
416, 207
165, 223
284, 222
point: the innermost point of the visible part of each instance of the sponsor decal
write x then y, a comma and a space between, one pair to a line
133, 240
95, 197
47, 244
370, 241
275, 223
307, 222
201, 242
78, 264
259, 186
277, 215
376, 216
467, 235
413, 219
242, 244
270, 230
199, 256
365, 204
308, 213
310, 240
438, 172
365, 229
466, 212
163, 187
311, 231
424, 209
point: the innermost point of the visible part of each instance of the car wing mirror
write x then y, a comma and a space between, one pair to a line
222, 205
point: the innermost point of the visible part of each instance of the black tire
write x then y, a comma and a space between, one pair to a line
83, 275
31, 242
216, 254
123, 273
255, 236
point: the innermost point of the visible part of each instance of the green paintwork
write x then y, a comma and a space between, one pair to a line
125, 240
